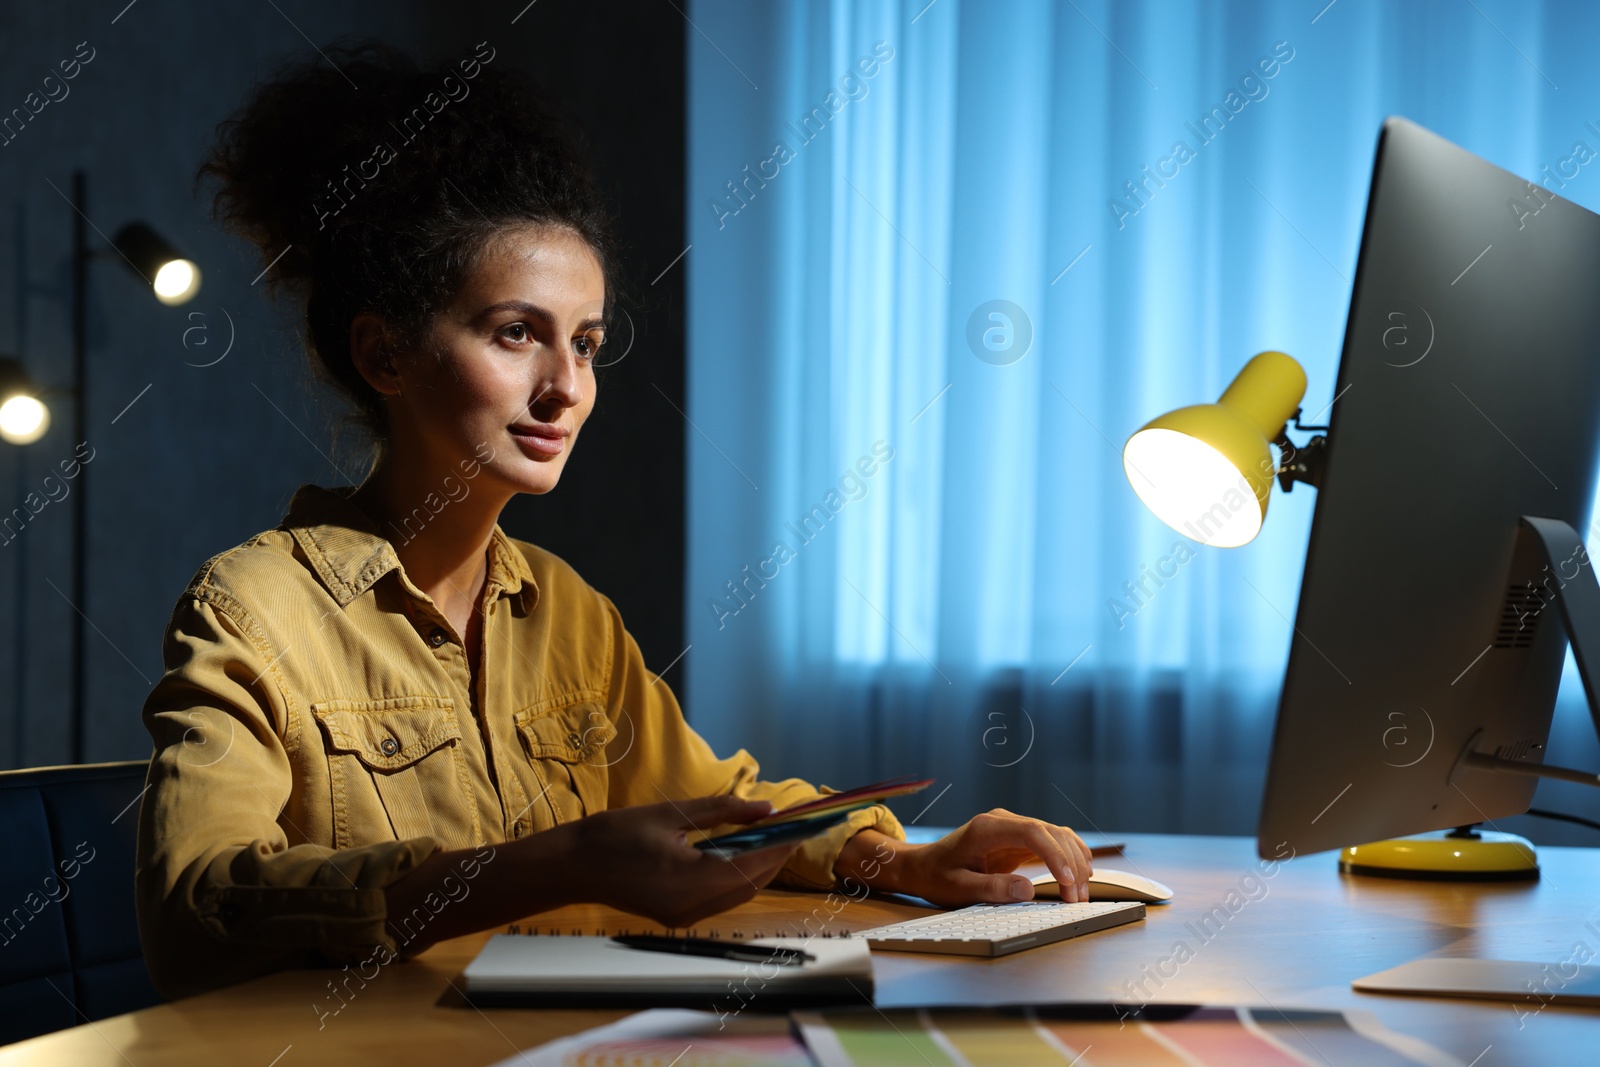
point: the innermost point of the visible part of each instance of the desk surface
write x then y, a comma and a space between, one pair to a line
1296, 938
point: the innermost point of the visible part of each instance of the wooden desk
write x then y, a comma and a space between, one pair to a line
1295, 939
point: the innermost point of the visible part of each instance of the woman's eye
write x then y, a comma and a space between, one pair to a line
516, 331
587, 345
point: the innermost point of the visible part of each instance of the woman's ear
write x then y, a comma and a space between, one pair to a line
372, 352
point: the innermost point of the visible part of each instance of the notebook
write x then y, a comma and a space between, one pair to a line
517, 970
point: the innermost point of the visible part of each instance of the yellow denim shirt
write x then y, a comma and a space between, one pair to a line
318, 734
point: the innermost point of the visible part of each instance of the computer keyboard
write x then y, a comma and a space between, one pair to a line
1000, 929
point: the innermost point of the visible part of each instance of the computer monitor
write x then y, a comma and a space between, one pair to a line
1429, 638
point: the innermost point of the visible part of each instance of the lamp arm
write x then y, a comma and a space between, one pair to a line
1302, 426
1300, 463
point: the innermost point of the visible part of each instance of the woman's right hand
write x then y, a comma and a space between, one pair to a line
637, 859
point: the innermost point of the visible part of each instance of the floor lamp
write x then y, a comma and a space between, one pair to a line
24, 415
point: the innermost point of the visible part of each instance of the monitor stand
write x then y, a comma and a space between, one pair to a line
1570, 583
1466, 854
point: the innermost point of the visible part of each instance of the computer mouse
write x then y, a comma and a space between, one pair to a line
1107, 884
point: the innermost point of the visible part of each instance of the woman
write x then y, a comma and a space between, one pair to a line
384, 722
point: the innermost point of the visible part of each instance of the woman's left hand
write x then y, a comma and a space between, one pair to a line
973, 864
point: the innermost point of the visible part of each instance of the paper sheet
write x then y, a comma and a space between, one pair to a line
1021, 1037
675, 1036
1223, 1037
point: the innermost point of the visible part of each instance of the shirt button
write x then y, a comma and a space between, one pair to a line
437, 638
574, 740
516, 831
389, 746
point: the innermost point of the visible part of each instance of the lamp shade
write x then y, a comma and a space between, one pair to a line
174, 278
1207, 470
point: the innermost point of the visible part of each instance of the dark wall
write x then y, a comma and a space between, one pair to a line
617, 515
193, 454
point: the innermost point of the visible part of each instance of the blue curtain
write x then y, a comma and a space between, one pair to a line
944, 258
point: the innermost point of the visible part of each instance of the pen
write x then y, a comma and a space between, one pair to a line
700, 946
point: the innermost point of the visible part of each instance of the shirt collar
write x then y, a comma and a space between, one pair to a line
350, 555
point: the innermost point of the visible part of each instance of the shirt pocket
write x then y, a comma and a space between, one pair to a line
570, 740
397, 770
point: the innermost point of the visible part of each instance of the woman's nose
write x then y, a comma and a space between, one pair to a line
563, 384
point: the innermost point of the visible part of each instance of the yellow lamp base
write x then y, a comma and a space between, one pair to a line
1481, 856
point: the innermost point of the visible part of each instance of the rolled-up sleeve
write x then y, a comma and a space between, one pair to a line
226, 887
667, 760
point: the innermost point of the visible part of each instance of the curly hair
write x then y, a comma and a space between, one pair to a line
371, 184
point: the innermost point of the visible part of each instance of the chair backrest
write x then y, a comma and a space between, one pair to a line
69, 940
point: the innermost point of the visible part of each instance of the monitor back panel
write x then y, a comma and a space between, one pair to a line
1468, 394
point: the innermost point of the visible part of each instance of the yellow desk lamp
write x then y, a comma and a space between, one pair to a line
1206, 471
